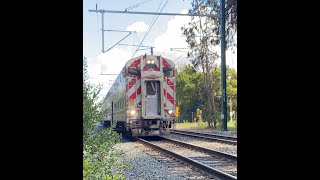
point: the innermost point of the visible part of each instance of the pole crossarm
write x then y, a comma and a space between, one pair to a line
152, 13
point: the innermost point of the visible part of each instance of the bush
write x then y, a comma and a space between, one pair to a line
99, 156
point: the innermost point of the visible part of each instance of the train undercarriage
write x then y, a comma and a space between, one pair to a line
143, 127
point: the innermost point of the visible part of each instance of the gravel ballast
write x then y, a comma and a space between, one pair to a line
149, 164
231, 149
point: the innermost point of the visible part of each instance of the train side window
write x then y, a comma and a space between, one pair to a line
151, 88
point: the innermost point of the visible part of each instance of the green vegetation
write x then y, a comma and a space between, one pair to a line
199, 85
192, 94
99, 156
188, 125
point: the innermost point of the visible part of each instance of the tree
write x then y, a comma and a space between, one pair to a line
99, 158
192, 94
200, 37
202, 34
85, 68
189, 90
231, 89
231, 16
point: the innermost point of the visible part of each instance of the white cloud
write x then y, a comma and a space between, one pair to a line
139, 26
172, 38
107, 63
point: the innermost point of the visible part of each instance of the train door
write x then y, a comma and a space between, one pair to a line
152, 100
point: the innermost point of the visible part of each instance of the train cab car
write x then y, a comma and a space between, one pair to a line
144, 96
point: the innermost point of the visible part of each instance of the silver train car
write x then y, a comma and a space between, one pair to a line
143, 97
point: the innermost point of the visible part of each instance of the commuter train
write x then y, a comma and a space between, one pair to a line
141, 101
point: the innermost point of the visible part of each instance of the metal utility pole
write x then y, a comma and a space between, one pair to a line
224, 115
102, 31
153, 13
191, 116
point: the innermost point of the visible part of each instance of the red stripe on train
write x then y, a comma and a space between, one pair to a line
130, 84
169, 97
165, 62
133, 96
135, 63
139, 91
171, 84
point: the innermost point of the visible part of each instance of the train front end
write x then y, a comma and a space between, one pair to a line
151, 96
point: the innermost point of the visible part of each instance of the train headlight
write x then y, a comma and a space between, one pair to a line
170, 111
148, 62
132, 112
152, 62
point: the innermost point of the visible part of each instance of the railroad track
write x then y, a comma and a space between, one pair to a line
218, 164
214, 137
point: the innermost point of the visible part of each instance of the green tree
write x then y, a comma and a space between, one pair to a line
201, 34
231, 90
85, 68
189, 90
192, 94
231, 17
99, 157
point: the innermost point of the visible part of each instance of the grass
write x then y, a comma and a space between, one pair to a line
188, 125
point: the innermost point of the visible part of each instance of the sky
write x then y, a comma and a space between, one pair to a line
164, 34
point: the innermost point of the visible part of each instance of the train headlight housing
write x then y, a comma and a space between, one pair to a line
170, 111
132, 112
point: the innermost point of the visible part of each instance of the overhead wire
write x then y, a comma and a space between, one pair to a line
152, 23
137, 5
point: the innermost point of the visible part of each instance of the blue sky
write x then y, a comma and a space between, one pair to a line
122, 21
165, 34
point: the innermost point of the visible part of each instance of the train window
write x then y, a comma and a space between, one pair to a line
151, 66
133, 71
168, 72
151, 88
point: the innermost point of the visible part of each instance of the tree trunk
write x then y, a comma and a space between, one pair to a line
231, 109
215, 124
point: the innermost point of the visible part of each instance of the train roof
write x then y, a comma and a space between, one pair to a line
130, 61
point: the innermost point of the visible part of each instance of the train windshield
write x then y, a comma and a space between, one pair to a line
133, 71
168, 72
151, 88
